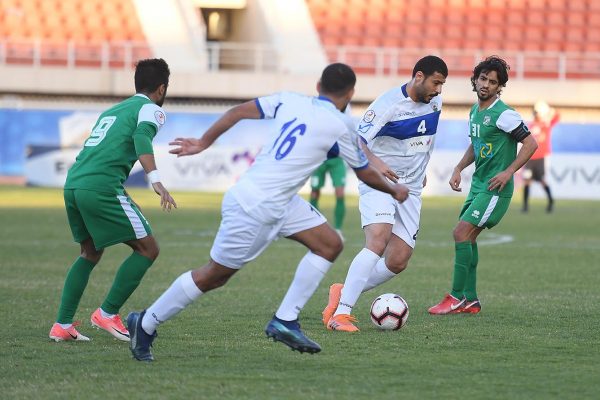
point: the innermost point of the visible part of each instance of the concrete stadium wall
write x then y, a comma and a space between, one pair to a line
245, 85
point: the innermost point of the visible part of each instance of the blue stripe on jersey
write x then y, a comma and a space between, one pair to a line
409, 128
262, 113
334, 151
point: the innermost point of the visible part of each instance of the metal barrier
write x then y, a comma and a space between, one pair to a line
378, 61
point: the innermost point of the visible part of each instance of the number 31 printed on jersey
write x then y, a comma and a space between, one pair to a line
288, 143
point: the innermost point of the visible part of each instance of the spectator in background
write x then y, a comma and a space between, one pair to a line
544, 119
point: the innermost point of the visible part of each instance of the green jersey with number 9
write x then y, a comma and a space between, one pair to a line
121, 134
494, 148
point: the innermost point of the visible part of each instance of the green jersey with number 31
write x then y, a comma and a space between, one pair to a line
121, 134
494, 148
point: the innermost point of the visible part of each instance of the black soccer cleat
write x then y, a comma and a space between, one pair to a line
289, 333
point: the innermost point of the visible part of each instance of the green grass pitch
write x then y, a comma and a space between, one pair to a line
536, 338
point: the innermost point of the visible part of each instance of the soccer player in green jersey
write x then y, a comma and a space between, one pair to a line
99, 210
337, 170
495, 129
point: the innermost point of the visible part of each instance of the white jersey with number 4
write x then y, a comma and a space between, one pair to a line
401, 132
308, 130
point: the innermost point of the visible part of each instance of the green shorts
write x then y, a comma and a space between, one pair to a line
484, 209
337, 170
107, 218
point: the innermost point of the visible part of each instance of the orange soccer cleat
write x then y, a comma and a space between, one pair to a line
60, 334
342, 322
335, 292
112, 325
448, 305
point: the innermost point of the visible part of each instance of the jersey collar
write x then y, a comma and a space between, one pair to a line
327, 100
404, 92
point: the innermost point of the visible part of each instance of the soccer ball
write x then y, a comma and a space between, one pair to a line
389, 311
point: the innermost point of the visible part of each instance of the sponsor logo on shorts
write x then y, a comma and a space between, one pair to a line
475, 214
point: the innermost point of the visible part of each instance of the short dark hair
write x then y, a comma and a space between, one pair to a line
429, 65
492, 63
150, 74
337, 79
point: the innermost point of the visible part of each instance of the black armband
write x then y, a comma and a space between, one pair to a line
520, 132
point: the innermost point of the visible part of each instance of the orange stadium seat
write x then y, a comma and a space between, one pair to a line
54, 23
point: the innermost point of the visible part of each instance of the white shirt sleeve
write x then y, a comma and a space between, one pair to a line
153, 114
351, 151
268, 105
509, 120
377, 115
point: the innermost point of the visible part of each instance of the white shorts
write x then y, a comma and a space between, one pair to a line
378, 207
241, 238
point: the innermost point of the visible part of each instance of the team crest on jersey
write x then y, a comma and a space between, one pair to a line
486, 120
160, 117
369, 116
434, 107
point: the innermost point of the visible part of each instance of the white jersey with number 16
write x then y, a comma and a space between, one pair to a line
308, 131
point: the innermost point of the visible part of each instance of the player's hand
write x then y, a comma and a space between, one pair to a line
455, 181
166, 201
187, 146
400, 192
386, 170
499, 181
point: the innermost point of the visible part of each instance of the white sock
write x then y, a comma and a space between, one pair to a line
358, 275
182, 292
380, 274
311, 270
105, 314
65, 326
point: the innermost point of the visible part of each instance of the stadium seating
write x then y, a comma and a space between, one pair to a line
52, 32
502, 26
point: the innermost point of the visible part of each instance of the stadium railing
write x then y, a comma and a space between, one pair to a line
377, 61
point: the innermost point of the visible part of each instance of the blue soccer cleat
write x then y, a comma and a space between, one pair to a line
140, 342
289, 333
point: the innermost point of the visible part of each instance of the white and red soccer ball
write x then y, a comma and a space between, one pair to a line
389, 311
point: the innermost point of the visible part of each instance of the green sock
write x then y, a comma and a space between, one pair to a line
75, 283
128, 278
340, 212
314, 203
471, 282
462, 260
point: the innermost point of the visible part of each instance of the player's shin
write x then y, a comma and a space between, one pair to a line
462, 261
471, 281
182, 292
75, 283
311, 270
126, 280
358, 275
379, 275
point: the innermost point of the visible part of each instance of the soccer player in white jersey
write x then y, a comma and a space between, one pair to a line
398, 130
264, 205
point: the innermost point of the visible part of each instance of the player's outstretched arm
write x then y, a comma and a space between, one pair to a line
190, 146
149, 164
376, 180
466, 160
